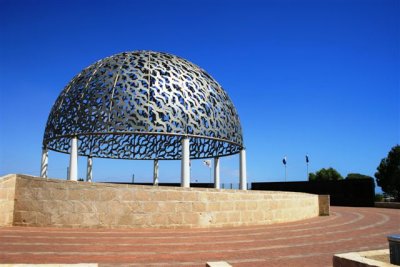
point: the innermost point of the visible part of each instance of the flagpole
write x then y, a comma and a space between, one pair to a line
284, 163
210, 173
285, 172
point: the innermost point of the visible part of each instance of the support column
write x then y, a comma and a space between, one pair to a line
44, 163
155, 172
89, 169
73, 160
216, 173
185, 163
243, 175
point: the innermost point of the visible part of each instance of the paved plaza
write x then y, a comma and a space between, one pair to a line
310, 242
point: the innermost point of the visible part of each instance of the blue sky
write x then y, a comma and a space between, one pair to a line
316, 77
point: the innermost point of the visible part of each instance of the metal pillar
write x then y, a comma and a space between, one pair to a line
216, 173
89, 169
73, 160
155, 172
185, 163
44, 163
243, 175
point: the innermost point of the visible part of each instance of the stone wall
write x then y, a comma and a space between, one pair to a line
60, 203
388, 205
7, 194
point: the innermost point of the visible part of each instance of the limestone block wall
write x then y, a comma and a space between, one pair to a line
7, 194
60, 203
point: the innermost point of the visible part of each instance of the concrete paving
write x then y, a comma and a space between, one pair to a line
311, 242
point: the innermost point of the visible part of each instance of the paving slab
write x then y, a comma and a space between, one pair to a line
311, 242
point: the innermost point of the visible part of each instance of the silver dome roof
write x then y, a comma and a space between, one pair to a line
139, 105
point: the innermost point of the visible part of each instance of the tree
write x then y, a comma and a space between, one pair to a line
357, 176
388, 173
323, 174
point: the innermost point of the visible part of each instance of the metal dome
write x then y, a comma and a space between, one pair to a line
139, 105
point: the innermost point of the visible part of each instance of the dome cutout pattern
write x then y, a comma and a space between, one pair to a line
139, 105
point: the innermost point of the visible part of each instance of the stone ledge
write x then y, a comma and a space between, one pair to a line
61, 203
361, 259
218, 264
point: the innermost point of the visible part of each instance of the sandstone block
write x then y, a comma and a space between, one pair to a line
150, 206
175, 218
199, 206
190, 196
91, 194
159, 219
221, 217
227, 206
160, 195
247, 216
24, 217
74, 194
108, 194
240, 205
174, 196
28, 205
234, 216
102, 207
191, 218
144, 195
135, 206
59, 194
140, 220
251, 205
43, 219
83, 206
25, 193
118, 208
125, 219
43, 193
3, 193
206, 219
106, 219
213, 206
65, 207
71, 218
166, 207
183, 206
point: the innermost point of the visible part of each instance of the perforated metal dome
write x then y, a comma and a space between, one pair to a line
139, 105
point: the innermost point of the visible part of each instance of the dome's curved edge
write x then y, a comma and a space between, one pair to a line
238, 134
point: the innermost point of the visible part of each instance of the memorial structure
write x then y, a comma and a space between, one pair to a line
144, 105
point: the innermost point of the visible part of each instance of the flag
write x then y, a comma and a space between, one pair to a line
284, 160
307, 159
207, 163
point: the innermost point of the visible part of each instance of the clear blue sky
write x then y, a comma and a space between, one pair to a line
316, 77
